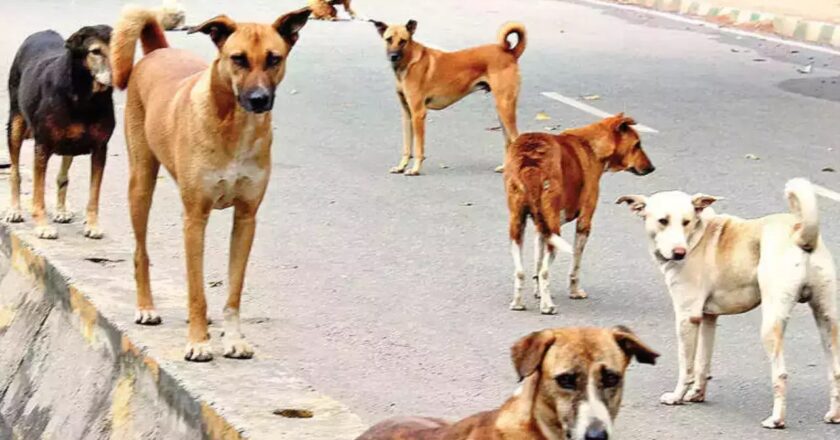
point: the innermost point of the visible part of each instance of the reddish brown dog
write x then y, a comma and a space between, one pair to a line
555, 179
572, 384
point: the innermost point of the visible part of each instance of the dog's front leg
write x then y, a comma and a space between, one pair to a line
349, 9
42, 228
62, 214
418, 125
704, 359
408, 134
244, 225
16, 130
687, 331
195, 223
97, 168
581, 235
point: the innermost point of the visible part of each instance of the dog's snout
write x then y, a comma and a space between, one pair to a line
258, 100
596, 431
679, 253
394, 56
648, 170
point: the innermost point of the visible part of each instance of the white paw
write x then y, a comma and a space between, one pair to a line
517, 305
237, 348
696, 395
198, 352
670, 399
413, 172
93, 232
832, 417
13, 216
63, 217
147, 317
397, 170
578, 294
46, 232
500, 169
773, 423
548, 309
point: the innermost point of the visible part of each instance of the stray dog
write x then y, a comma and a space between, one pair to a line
325, 9
210, 127
722, 265
60, 96
433, 79
572, 382
555, 179
171, 15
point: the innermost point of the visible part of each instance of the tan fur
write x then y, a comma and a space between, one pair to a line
325, 9
542, 408
190, 118
429, 79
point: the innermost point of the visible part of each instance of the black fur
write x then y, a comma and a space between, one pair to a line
52, 89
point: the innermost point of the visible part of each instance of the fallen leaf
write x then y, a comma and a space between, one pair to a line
214, 283
751, 157
444, 166
495, 128
734, 50
468, 204
293, 92
805, 69
591, 98
828, 170
553, 127
543, 116
759, 60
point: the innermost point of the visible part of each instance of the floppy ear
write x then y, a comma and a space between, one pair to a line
411, 26
633, 347
290, 24
380, 26
76, 42
702, 201
527, 353
637, 203
218, 28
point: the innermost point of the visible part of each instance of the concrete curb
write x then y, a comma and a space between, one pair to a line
788, 26
70, 369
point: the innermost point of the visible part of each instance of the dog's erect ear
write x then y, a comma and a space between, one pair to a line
621, 123
527, 353
290, 24
637, 203
411, 26
218, 28
380, 26
633, 347
702, 201
76, 42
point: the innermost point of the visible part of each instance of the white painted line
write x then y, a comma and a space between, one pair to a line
592, 110
825, 192
726, 30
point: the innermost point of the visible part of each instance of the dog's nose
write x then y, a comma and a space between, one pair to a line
395, 56
596, 433
648, 170
259, 100
679, 253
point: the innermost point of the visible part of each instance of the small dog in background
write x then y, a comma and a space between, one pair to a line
555, 179
572, 382
432, 79
60, 96
325, 9
722, 265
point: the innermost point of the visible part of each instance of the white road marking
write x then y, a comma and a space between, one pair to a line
707, 24
827, 193
592, 110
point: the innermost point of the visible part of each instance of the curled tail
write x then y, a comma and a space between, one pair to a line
803, 204
513, 28
135, 23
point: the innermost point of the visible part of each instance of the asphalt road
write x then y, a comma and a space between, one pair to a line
390, 293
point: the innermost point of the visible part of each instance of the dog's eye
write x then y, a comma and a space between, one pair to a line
610, 378
663, 221
240, 60
567, 381
388, 40
96, 51
686, 222
273, 60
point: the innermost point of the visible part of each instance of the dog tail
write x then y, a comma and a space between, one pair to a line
531, 181
135, 23
803, 204
513, 28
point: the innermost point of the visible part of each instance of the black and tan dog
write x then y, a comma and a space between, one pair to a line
210, 127
433, 79
60, 96
572, 385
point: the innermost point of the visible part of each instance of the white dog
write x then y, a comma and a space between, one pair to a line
722, 265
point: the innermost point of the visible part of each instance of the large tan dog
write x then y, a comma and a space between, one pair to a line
210, 127
572, 385
555, 179
433, 79
722, 265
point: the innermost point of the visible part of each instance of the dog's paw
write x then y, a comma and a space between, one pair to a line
147, 317
670, 399
397, 170
696, 395
773, 423
578, 294
237, 348
549, 309
413, 172
63, 216
832, 417
198, 352
13, 216
93, 232
517, 306
46, 232
500, 169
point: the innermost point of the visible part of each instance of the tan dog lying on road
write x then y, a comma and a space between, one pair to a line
555, 179
572, 384
210, 127
722, 265
433, 79
325, 9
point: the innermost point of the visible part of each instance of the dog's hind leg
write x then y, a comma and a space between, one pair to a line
42, 228
703, 363
408, 134
15, 133
824, 306
97, 168
517, 229
141, 186
62, 214
539, 252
